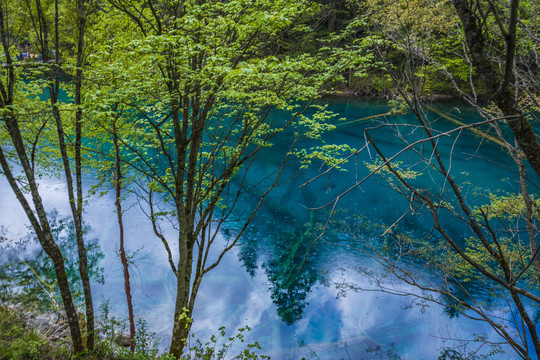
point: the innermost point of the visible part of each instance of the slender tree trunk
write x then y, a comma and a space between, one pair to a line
83, 258
75, 201
123, 257
528, 322
497, 84
40, 224
43, 232
182, 310
528, 216
181, 325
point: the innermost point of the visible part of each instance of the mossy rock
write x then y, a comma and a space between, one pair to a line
19, 342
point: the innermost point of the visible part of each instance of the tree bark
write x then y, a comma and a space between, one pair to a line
40, 223
43, 232
83, 258
182, 310
123, 257
528, 322
499, 84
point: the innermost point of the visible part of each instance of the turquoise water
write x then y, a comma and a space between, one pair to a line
295, 311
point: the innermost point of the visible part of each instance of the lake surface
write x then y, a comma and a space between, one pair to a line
295, 311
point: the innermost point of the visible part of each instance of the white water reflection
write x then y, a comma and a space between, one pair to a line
332, 328
351, 327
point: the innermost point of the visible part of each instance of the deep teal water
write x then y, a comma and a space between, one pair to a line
295, 311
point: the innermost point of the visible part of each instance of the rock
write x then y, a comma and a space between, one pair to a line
123, 340
41, 323
59, 332
52, 326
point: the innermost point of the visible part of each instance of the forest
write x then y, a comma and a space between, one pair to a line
349, 179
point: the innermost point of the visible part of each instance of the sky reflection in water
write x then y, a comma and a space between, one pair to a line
293, 312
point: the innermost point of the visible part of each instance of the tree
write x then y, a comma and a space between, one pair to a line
204, 87
109, 161
485, 50
504, 83
22, 138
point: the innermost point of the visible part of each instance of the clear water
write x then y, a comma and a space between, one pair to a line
294, 311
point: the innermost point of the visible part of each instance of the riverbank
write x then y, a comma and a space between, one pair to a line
372, 95
27, 335
377, 85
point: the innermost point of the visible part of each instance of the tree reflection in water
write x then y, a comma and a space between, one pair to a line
27, 273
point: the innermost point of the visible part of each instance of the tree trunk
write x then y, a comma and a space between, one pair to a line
528, 322
43, 232
473, 27
83, 258
75, 199
182, 311
40, 224
123, 257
